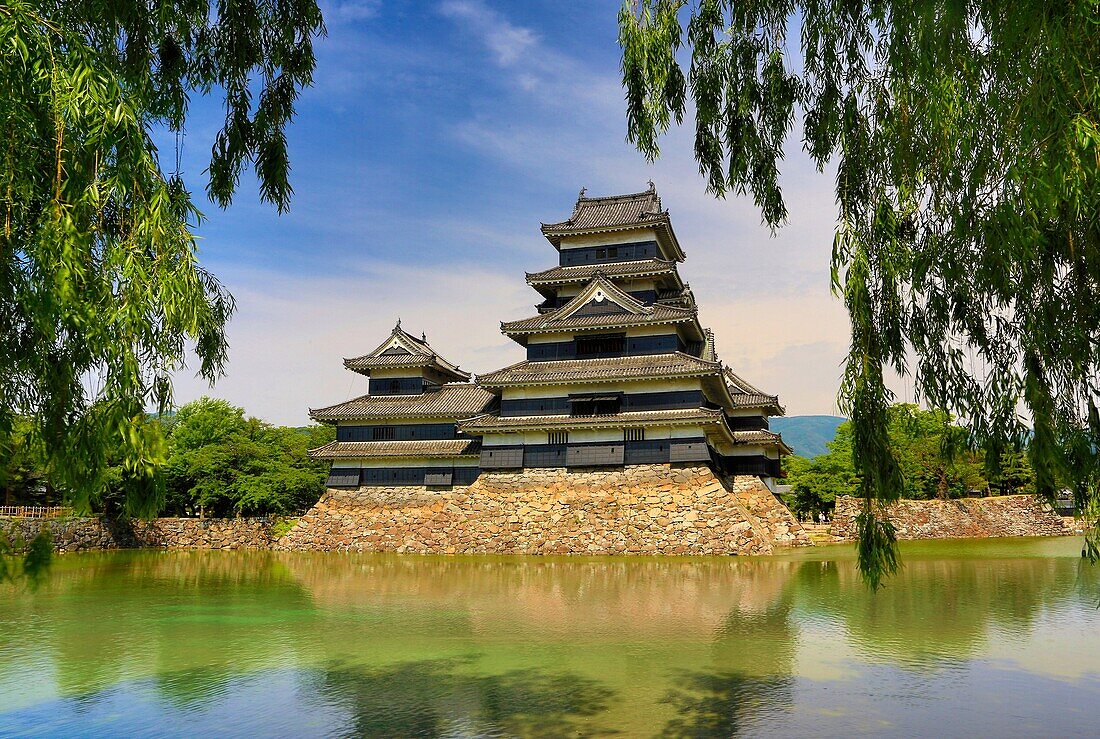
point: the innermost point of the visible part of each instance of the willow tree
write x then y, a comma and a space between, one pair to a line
966, 141
101, 293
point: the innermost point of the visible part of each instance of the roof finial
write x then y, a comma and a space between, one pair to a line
652, 187
583, 191
423, 337
398, 326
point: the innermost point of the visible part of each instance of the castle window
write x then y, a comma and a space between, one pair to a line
607, 345
557, 437
633, 434
382, 433
595, 405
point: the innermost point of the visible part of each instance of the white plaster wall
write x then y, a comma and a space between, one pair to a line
608, 239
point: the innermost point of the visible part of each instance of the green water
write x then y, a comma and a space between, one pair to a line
992, 638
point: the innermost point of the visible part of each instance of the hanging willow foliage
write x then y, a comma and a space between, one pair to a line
101, 294
966, 137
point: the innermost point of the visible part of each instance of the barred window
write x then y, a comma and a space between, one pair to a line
557, 437
633, 434
606, 345
382, 433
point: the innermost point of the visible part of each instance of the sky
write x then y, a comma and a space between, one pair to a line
436, 138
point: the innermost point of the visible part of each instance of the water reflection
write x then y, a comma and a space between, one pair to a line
724, 703
424, 646
441, 698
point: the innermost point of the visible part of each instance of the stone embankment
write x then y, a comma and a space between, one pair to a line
77, 534
1009, 515
641, 509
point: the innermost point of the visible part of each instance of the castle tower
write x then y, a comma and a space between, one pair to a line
619, 370
403, 431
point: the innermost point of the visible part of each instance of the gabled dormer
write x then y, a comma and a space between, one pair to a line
617, 228
602, 305
405, 365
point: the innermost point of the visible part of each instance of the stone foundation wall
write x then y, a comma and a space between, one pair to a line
639, 509
1009, 515
77, 534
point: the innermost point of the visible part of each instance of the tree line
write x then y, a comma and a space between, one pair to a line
935, 456
219, 462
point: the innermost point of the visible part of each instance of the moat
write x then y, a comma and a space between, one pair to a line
989, 637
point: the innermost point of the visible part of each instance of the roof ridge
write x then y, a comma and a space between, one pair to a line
746, 387
626, 196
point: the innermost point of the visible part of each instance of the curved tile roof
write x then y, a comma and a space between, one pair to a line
420, 448
610, 211
675, 364
683, 416
745, 395
585, 272
617, 212
761, 437
629, 311
402, 349
546, 322
455, 400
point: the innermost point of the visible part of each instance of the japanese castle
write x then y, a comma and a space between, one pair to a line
619, 371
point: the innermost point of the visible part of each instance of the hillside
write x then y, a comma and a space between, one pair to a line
807, 435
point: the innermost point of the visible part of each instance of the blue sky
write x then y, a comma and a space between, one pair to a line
436, 138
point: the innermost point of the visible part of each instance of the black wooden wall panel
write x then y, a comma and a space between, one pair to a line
689, 451
409, 432
594, 455
607, 254
747, 423
535, 407
396, 386
438, 478
634, 346
544, 455
501, 457
343, 477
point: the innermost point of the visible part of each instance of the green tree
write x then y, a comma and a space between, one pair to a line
927, 445
21, 469
966, 138
1012, 474
222, 463
101, 292
816, 483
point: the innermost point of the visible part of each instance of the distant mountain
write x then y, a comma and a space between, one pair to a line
807, 435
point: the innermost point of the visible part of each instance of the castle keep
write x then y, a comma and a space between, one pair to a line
621, 403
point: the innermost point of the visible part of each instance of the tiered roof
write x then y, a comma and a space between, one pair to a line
615, 369
454, 400
602, 305
706, 417
403, 350
637, 269
617, 213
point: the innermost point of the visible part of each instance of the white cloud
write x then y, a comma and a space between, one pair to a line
340, 12
291, 333
508, 42
558, 124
